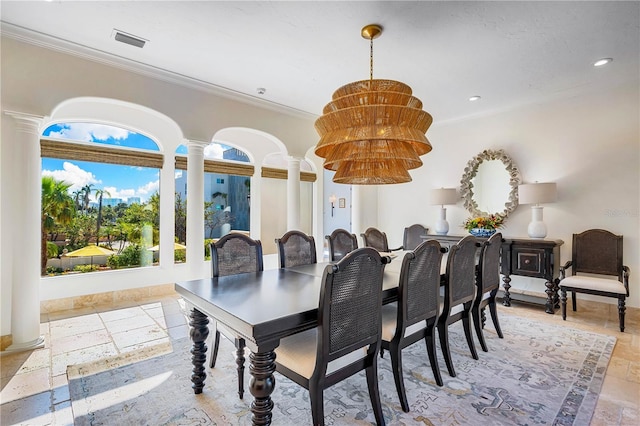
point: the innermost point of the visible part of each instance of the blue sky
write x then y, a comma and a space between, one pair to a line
120, 181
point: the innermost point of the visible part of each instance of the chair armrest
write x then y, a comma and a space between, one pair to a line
625, 277
563, 269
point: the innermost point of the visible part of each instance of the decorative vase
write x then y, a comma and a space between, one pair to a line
482, 232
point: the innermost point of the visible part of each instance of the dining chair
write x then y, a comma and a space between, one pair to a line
598, 253
296, 248
340, 243
234, 253
347, 338
459, 293
413, 236
487, 286
373, 237
415, 315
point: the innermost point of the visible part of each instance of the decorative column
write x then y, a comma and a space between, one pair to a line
195, 204
293, 193
167, 210
356, 209
26, 205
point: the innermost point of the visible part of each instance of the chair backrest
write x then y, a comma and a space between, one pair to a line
376, 239
236, 253
341, 242
349, 315
296, 248
412, 236
597, 251
488, 278
419, 285
460, 283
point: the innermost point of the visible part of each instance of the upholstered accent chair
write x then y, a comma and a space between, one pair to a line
459, 293
488, 284
234, 253
415, 315
296, 248
374, 238
413, 236
347, 338
341, 242
596, 268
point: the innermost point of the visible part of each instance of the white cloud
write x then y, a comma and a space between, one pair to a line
90, 132
145, 191
74, 175
213, 150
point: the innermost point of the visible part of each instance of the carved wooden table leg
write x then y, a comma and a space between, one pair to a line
506, 300
556, 297
551, 295
262, 366
199, 333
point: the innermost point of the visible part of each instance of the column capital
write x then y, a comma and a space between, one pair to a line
26, 122
196, 146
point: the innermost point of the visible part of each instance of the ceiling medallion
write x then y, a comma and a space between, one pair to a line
373, 131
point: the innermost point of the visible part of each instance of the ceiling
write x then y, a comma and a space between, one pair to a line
509, 53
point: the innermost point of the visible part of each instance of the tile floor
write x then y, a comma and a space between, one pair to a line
34, 388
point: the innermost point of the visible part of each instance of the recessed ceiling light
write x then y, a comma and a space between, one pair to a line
261, 90
601, 62
474, 98
127, 38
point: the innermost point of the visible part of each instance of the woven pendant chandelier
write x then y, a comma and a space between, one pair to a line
373, 131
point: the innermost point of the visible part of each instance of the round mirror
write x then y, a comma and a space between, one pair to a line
489, 184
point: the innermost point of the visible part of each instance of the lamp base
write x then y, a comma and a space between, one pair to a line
537, 228
442, 226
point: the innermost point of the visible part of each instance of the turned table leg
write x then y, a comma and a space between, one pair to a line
262, 366
199, 333
552, 294
506, 300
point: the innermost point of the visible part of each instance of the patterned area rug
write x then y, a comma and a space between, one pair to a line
538, 374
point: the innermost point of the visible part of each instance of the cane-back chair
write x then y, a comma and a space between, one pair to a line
413, 236
296, 248
341, 242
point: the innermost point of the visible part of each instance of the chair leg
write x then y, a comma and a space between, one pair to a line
563, 303
214, 352
431, 351
396, 366
466, 323
374, 393
317, 404
477, 323
444, 345
240, 344
621, 309
573, 300
494, 317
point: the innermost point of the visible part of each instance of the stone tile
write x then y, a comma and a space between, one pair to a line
25, 362
60, 389
634, 372
61, 361
80, 341
123, 313
129, 324
621, 391
25, 384
63, 414
71, 313
55, 305
31, 410
93, 300
618, 367
130, 295
172, 320
606, 413
630, 417
163, 290
147, 344
156, 312
179, 332
77, 325
138, 336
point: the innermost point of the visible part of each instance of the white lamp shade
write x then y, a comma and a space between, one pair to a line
537, 193
444, 196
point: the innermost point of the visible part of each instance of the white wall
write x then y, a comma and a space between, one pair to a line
589, 146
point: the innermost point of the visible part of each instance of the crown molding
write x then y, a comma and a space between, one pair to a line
75, 49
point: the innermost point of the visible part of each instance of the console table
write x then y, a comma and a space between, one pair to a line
524, 257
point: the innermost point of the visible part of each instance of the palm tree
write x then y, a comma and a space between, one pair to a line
85, 200
58, 207
77, 194
99, 193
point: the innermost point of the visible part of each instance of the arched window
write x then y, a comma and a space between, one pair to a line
111, 176
227, 190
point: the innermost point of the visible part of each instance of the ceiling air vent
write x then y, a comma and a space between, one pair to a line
128, 38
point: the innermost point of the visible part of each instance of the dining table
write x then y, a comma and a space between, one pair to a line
262, 307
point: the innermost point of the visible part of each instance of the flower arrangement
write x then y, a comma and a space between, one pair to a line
491, 222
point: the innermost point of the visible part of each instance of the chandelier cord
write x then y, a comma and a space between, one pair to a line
371, 60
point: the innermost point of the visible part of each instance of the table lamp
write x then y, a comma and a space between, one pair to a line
537, 193
443, 196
